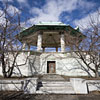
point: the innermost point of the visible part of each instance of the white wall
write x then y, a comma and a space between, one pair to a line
66, 64
26, 65
27, 85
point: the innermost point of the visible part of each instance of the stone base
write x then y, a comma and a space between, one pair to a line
51, 77
52, 83
27, 85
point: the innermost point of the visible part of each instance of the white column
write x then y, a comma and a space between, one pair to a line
28, 50
23, 46
62, 42
39, 42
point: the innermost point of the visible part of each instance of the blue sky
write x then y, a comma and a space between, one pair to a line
73, 12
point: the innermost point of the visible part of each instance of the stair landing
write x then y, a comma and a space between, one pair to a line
56, 84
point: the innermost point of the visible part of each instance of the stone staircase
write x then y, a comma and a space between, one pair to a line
54, 84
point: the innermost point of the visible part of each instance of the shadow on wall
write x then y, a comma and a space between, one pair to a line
34, 64
82, 68
27, 85
62, 59
93, 85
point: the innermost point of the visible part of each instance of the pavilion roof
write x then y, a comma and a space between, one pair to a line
48, 27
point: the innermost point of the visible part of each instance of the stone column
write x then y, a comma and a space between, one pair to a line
39, 42
28, 50
62, 40
23, 46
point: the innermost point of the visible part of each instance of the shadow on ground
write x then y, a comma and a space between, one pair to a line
21, 96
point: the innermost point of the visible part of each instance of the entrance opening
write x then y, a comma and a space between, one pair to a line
50, 66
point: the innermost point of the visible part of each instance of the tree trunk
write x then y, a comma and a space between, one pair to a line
3, 66
96, 74
10, 72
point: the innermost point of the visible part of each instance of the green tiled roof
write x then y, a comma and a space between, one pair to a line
48, 26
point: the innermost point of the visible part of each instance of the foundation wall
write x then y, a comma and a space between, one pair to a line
65, 64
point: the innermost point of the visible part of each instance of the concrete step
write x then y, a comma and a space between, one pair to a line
56, 88
56, 84
56, 92
52, 77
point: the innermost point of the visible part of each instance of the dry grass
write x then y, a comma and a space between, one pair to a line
95, 92
39, 76
84, 77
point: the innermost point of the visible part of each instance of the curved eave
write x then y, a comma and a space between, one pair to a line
34, 29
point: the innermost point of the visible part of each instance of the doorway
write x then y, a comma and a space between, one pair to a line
51, 67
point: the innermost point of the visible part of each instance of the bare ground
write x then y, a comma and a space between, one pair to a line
21, 96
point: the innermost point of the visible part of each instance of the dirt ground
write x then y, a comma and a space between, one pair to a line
21, 96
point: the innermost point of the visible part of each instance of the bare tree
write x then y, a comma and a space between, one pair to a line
89, 49
9, 45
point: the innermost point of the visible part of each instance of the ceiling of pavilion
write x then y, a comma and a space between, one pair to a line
51, 34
